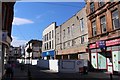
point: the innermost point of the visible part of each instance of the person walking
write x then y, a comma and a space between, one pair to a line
9, 71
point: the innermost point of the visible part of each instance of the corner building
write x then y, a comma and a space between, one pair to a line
104, 35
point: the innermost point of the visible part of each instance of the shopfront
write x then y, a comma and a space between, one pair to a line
48, 55
105, 55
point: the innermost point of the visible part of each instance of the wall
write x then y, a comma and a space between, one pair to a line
70, 42
67, 66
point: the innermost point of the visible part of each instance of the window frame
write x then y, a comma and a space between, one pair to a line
94, 28
81, 24
92, 7
101, 3
64, 33
102, 23
68, 30
82, 39
115, 18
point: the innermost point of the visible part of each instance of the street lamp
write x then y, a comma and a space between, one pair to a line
29, 50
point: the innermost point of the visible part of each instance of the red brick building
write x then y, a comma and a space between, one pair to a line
104, 35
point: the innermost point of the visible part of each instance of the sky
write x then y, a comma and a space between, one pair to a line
31, 18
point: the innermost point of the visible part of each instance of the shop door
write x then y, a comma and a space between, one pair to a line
109, 65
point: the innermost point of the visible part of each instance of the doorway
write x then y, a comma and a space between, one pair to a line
109, 62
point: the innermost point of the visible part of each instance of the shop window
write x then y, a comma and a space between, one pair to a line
115, 19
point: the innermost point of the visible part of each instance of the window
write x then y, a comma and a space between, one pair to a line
103, 24
47, 36
81, 24
73, 42
57, 36
92, 9
115, 19
94, 28
45, 46
101, 3
63, 33
82, 39
4, 14
49, 44
64, 45
50, 35
68, 44
68, 30
52, 44
72, 29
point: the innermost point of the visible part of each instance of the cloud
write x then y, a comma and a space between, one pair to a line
44, 14
21, 21
18, 42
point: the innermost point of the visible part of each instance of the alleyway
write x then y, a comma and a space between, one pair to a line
39, 73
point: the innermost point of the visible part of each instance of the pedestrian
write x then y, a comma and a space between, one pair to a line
9, 71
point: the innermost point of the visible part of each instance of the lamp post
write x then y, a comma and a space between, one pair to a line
29, 50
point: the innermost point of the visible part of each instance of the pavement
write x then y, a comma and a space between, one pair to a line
37, 73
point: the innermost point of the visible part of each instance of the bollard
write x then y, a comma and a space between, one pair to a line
110, 76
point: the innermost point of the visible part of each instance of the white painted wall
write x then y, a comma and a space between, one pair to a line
67, 66
53, 65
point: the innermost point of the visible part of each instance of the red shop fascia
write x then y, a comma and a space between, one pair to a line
108, 43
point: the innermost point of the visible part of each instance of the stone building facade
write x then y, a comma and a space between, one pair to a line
48, 47
104, 35
72, 37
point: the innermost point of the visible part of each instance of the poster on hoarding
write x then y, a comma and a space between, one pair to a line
94, 60
101, 61
115, 60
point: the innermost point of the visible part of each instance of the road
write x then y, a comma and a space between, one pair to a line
37, 73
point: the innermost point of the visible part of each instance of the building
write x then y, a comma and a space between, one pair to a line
14, 53
72, 37
36, 46
5, 31
104, 35
48, 47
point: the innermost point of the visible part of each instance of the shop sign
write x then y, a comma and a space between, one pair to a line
101, 44
92, 46
112, 42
